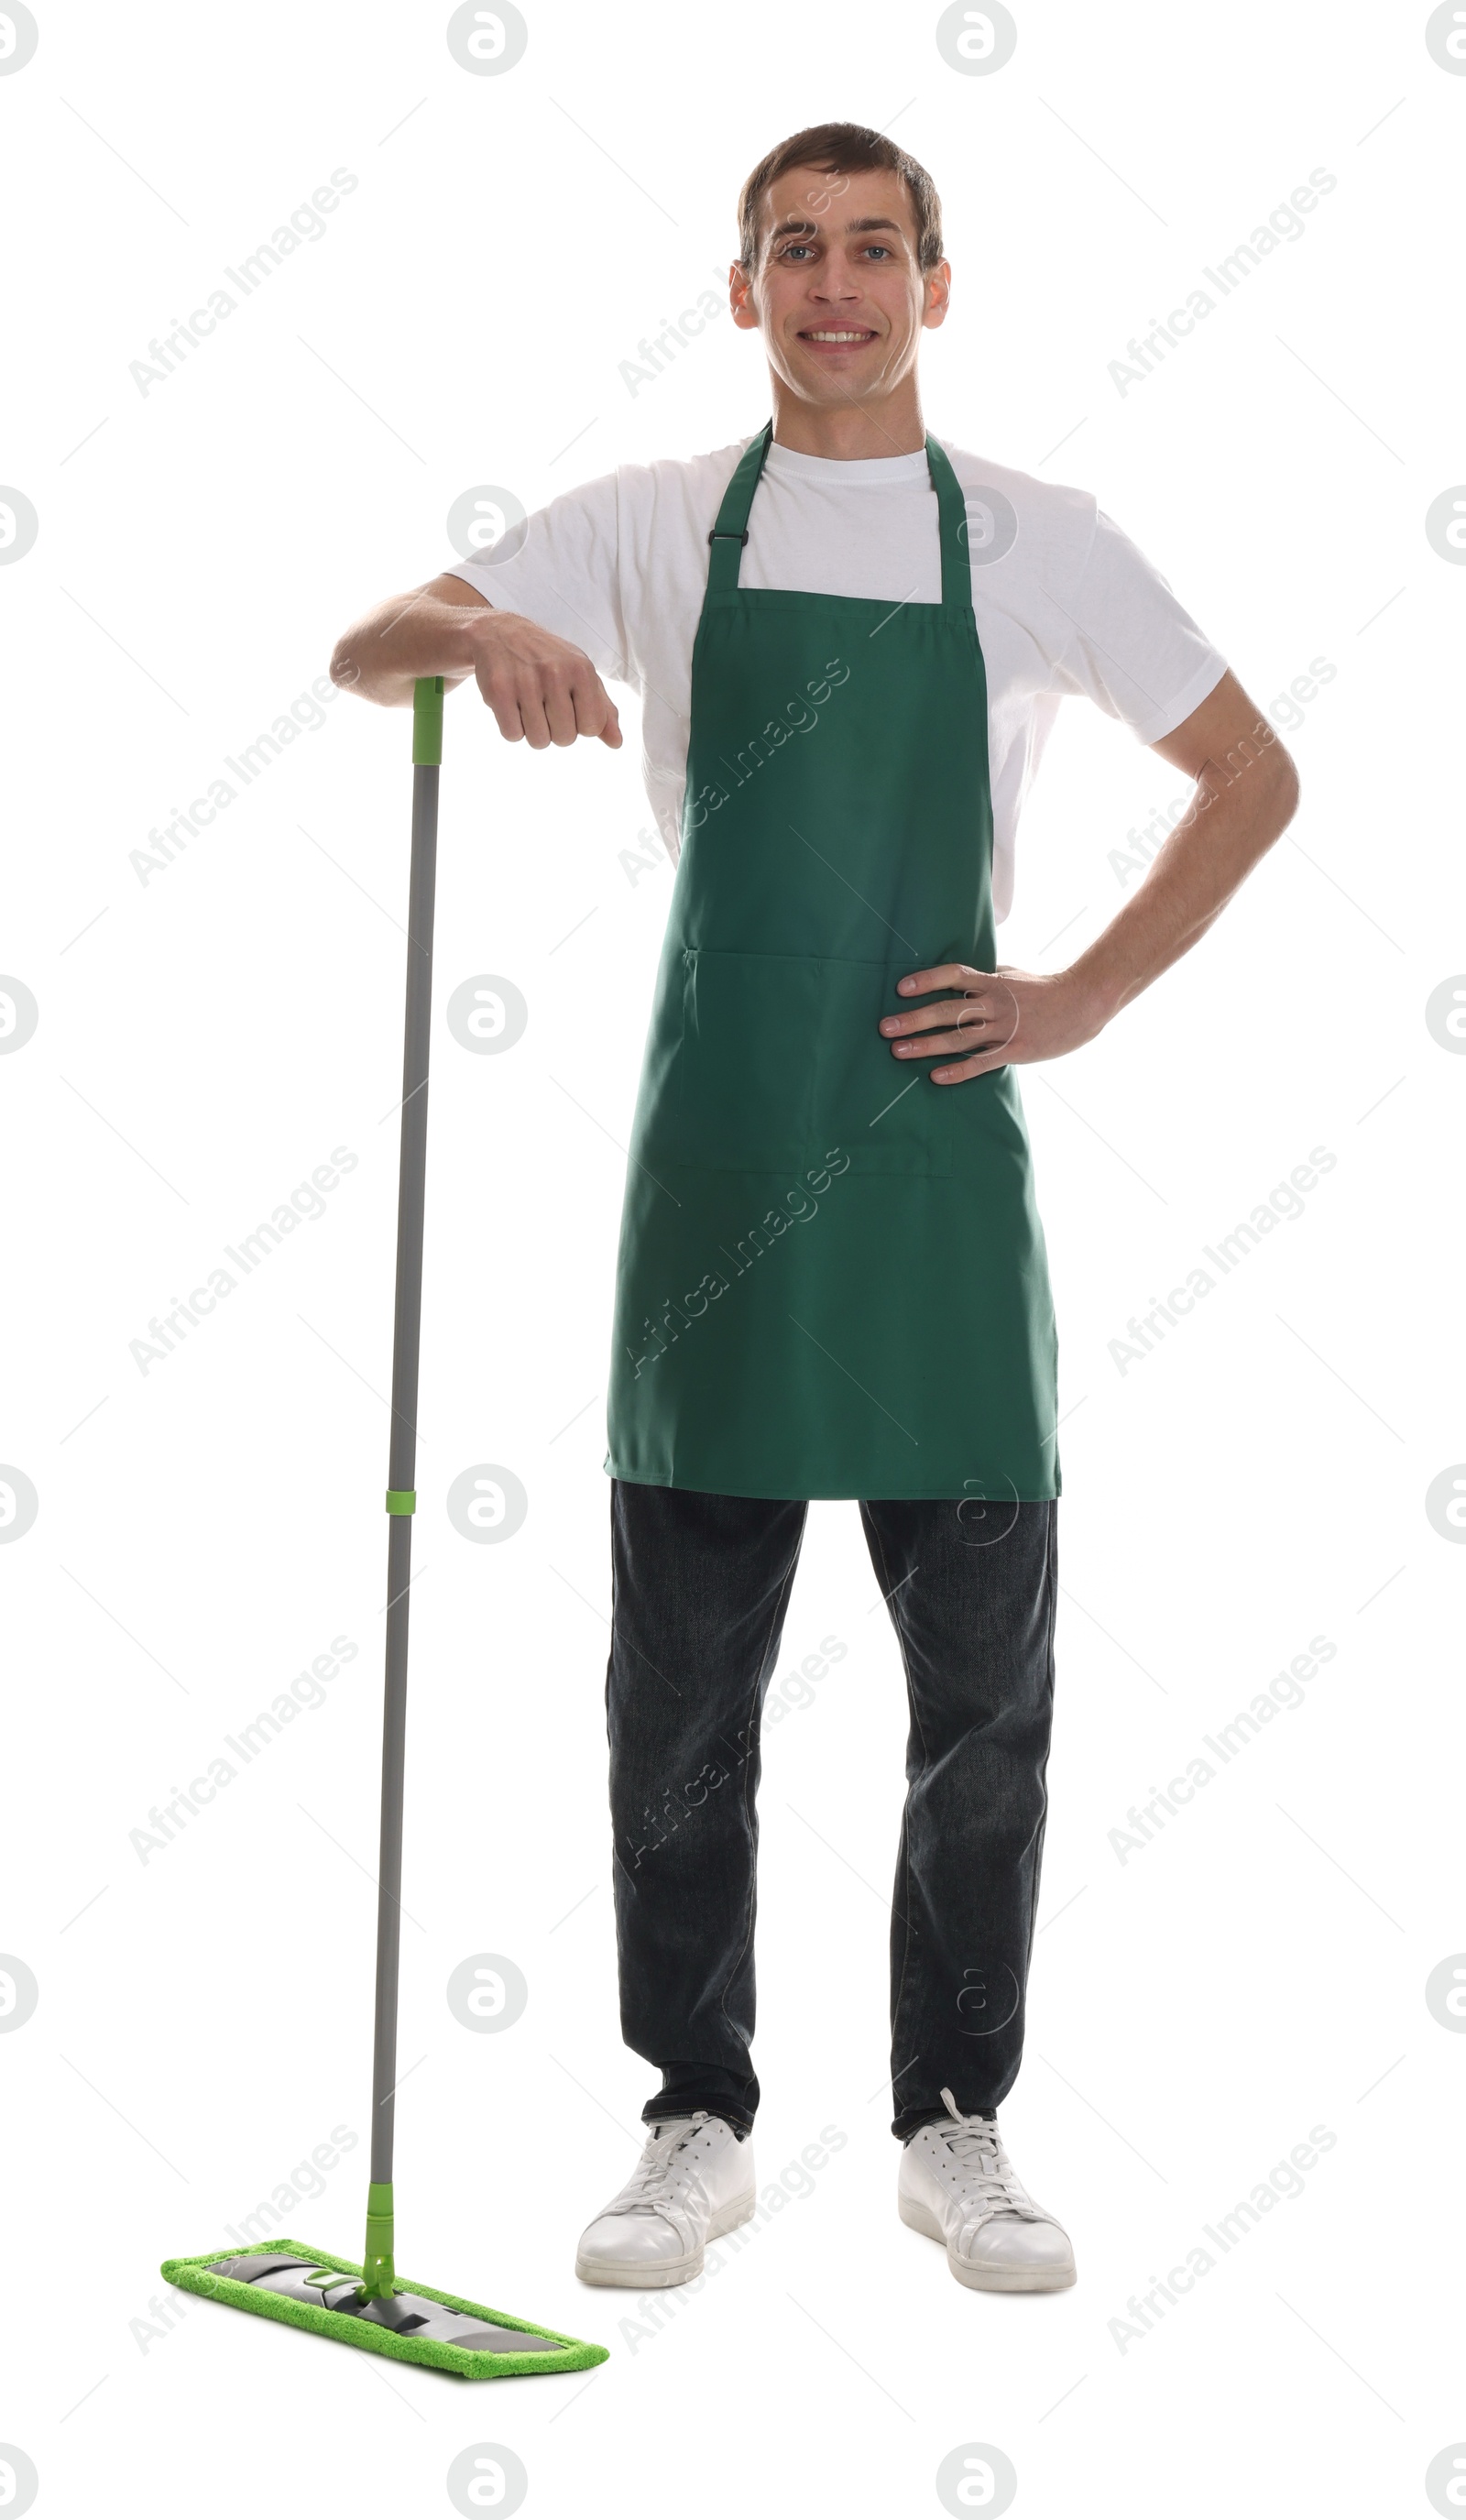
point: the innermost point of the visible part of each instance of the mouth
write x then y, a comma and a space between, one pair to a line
837, 337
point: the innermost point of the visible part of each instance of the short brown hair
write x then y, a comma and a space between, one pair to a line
842, 148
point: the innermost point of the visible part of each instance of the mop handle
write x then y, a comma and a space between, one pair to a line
428, 754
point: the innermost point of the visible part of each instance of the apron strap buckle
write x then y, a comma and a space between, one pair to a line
715, 535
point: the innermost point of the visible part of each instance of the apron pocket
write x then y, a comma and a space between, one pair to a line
745, 1066
885, 1113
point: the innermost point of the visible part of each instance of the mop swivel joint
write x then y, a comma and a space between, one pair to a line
378, 2275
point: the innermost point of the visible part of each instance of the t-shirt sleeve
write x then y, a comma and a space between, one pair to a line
561, 568
1132, 649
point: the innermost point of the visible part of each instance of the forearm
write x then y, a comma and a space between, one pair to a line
541, 690
1245, 795
391, 648
1235, 816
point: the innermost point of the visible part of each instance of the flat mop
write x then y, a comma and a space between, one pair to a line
366, 2305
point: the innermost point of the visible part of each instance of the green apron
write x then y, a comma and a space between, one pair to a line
833, 1279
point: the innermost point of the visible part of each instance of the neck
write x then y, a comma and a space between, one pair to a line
853, 430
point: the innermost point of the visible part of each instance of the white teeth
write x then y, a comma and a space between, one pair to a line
837, 337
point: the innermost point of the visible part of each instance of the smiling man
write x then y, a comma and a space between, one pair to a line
849, 639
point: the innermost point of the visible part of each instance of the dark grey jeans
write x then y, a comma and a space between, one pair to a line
701, 1584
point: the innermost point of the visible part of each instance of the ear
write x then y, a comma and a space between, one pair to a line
740, 300
938, 293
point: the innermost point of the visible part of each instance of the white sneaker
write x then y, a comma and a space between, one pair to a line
694, 2183
957, 2185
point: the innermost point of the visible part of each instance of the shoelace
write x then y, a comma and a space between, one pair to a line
988, 2181
658, 2176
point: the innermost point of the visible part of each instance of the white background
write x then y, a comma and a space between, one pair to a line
207, 1037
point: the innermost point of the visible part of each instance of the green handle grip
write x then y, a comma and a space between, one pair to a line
427, 720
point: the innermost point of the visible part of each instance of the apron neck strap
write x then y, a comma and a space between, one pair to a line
952, 521
731, 532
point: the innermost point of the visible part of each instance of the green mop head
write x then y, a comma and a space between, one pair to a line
413, 2323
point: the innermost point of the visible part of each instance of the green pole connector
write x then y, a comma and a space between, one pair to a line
427, 720
402, 1500
378, 2275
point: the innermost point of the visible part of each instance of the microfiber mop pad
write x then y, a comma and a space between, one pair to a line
560, 2353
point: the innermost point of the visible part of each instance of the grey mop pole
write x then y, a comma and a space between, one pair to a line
378, 2272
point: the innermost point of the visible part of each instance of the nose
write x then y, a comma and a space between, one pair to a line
836, 280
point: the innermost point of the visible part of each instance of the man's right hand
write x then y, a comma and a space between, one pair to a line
540, 688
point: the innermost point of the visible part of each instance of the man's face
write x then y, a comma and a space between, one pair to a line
837, 291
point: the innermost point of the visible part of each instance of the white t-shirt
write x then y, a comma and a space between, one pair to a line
1064, 601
